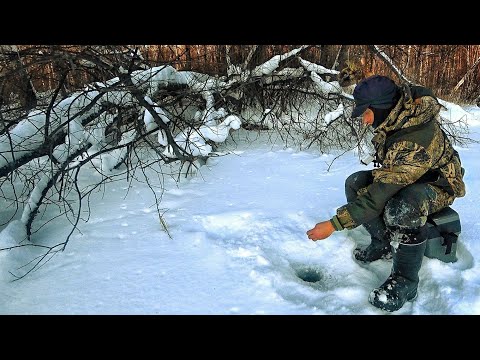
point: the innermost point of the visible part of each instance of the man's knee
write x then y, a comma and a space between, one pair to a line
355, 182
404, 212
410, 207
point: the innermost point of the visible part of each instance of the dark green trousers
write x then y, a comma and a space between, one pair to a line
407, 210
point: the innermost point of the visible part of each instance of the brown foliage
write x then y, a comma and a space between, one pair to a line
440, 67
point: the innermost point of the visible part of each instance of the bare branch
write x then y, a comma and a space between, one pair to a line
462, 80
386, 59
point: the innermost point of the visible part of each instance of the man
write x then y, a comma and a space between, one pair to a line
420, 174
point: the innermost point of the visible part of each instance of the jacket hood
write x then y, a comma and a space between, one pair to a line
417, 105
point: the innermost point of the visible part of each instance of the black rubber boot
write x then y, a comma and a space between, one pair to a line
378, 249
401, 285
380, 242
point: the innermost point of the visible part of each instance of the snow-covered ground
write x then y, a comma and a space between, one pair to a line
238, 244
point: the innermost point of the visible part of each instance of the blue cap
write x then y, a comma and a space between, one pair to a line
376, 91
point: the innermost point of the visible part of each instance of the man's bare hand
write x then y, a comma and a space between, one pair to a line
321, 231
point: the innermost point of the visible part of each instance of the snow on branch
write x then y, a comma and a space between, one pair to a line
271, 65
194, 141
323, 87
333, 115
220, 132
72, 114
41, 188
319, 69
151, 80
28, 136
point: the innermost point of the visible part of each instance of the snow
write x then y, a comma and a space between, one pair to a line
148, 117
237, 245
110, 159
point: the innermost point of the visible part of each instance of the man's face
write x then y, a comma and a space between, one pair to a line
367, 117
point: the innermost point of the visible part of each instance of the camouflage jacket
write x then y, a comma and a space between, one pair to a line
410, 147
